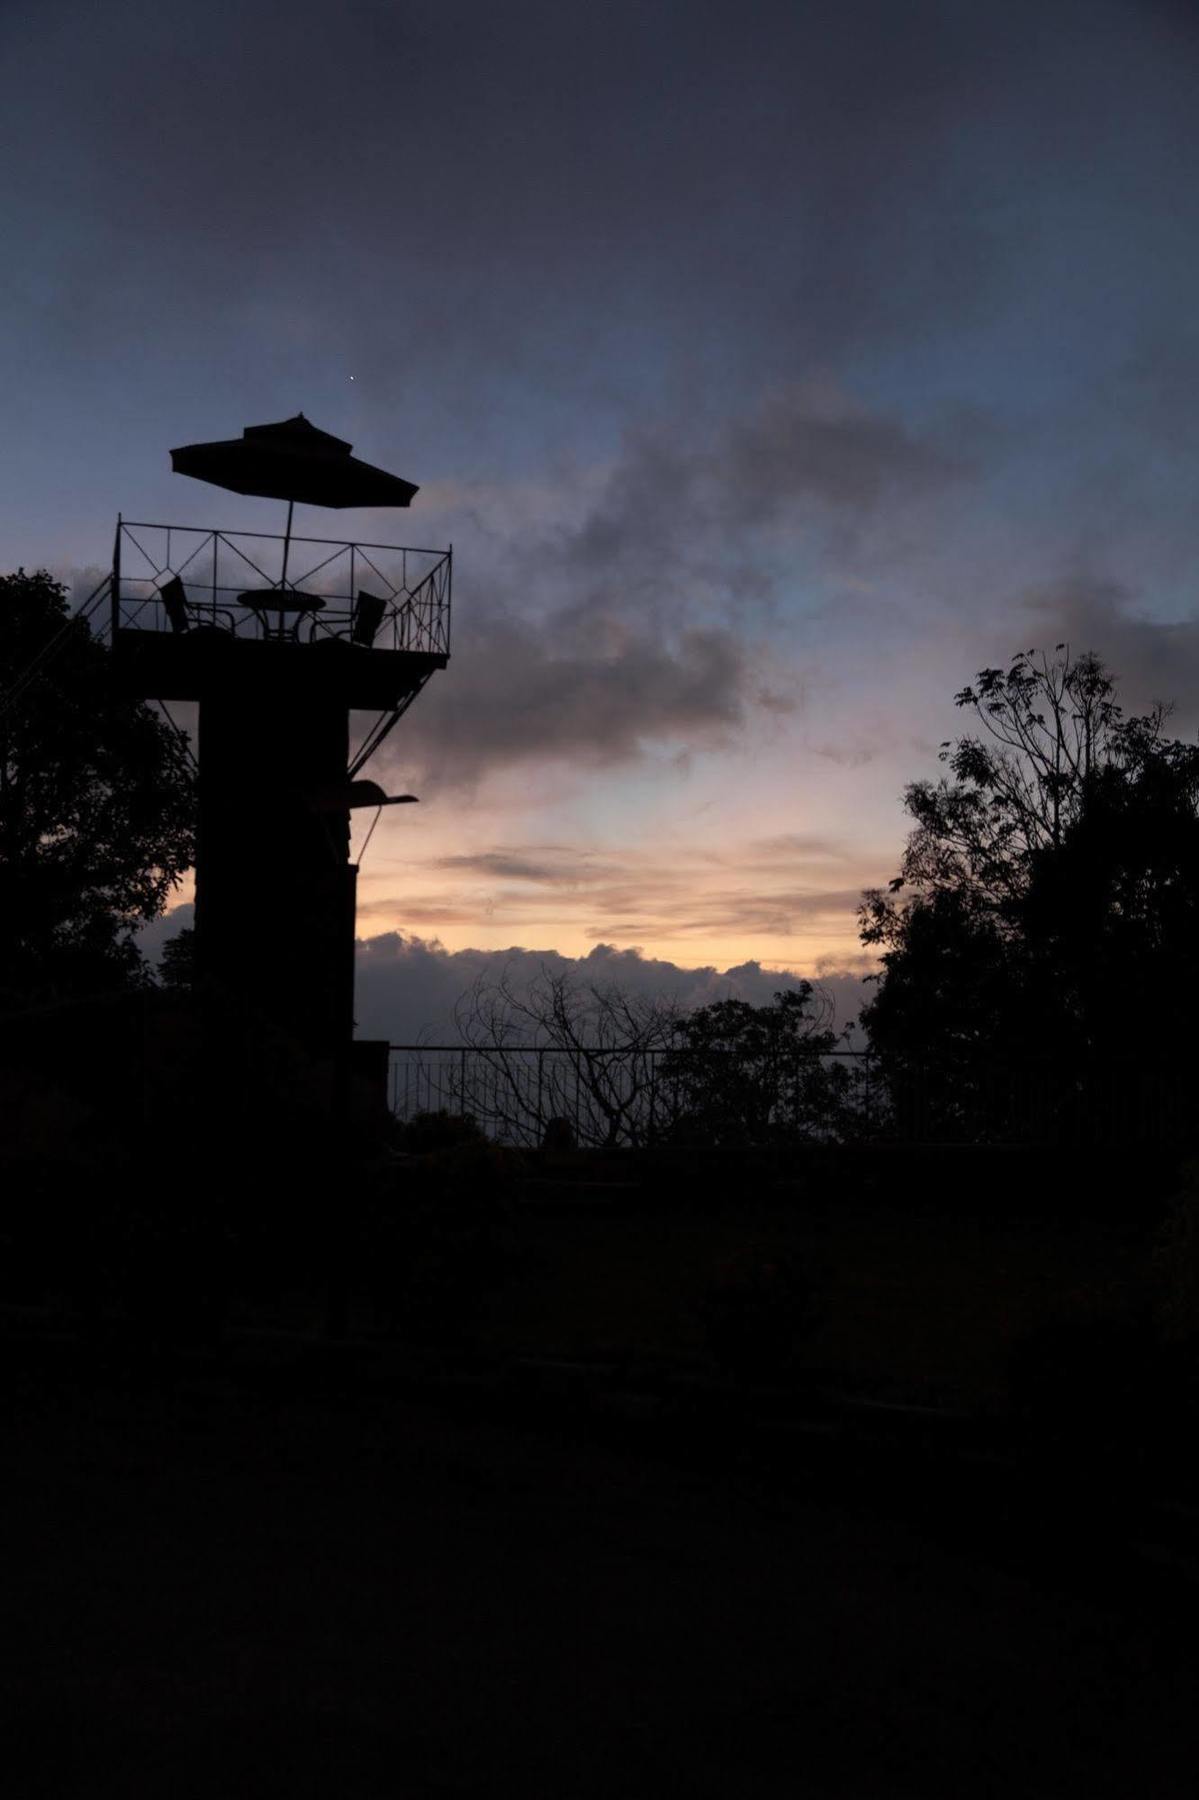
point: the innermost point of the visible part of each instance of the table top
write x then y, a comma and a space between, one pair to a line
280, 600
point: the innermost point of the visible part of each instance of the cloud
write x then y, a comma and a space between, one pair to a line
82, 584
743, 914
635, 609
549, 864
834, 455
639, 608
846, 756
516, 694
791, 454
408, 986
791, 885
1152, 659
626, 157
152, 937
784, 850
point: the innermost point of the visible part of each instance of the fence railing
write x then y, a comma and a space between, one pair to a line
634, 1098
228, 578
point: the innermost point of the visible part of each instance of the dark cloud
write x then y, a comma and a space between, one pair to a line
600, 628
518, 223
605, 632
1152, 659
515, 694
532, 141
852, 460
600, 631
501, 864
788, 456
552, 865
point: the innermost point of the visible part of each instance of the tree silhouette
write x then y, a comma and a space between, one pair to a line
610, 1069
755, 1075
560, 1050
177, 965
1040, 940
96, 805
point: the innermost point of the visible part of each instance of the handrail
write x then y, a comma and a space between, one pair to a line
277, 536
416, 583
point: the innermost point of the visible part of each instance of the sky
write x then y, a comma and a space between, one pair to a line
771, 368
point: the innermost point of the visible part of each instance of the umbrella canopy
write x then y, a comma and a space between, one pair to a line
292, 461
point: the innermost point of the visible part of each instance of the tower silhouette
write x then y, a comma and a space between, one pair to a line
280, 640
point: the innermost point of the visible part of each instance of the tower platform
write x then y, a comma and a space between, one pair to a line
198, 612
207, 661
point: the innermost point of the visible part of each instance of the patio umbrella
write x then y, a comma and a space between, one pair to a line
292, 460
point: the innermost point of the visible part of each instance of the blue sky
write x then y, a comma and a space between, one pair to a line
772, 367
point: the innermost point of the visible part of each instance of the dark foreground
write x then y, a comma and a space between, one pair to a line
278, 1590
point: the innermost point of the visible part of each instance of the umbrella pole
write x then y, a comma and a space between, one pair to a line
286, 548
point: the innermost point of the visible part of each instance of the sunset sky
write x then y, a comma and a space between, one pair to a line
771, 367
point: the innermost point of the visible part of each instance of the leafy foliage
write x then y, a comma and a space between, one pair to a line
441, 1130
177, 965
564, 1064
742, 1074
1046, 914
96, 805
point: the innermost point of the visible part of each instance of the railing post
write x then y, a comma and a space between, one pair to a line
116, 580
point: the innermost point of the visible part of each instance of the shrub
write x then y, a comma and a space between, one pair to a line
427, 1131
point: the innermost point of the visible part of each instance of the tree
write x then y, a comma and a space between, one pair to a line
97, 805
1045, 913
751, 1075
177, 965
561, 1050
621, 1070
1050, 726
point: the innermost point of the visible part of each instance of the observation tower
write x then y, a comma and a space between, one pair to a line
279, 639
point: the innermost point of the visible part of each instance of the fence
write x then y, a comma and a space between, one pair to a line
628, 1099
608, 1097
226, 580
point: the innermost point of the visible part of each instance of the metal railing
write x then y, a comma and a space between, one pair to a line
632, 1099
228, 578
